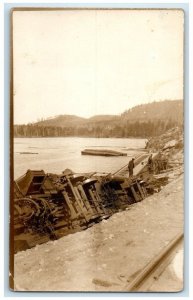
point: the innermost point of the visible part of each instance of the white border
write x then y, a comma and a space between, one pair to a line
2, 2
1, 148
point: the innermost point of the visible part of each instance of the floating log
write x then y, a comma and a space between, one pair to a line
27, 152
104, 152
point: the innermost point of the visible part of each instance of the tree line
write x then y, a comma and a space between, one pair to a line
99, 130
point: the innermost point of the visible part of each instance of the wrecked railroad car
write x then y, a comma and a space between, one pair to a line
49, 206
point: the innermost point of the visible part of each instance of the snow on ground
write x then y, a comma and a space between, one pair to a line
108, 255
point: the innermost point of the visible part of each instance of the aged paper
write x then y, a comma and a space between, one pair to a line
97, 150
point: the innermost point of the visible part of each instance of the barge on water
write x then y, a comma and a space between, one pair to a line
102, 152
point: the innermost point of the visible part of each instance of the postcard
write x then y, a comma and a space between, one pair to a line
97, 150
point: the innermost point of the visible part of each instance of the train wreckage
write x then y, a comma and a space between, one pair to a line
49, 206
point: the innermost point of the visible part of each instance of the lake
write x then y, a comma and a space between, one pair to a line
53, 155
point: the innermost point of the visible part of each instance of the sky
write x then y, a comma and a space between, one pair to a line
90, 62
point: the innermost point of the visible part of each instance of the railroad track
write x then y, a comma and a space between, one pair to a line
153, 270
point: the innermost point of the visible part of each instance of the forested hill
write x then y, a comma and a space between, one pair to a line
141, 121
71, 120
163, 110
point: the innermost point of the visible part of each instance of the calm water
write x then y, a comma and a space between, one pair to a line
57, 154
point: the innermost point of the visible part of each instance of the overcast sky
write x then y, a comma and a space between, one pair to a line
88, 62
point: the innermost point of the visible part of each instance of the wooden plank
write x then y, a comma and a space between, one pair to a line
68, 202
86, 201
136, 197
77, 199
140, 190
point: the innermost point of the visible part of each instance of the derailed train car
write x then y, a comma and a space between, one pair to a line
49, 206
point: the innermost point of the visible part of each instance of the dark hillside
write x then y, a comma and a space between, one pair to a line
163, 110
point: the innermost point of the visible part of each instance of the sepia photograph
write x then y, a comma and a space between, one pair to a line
97, 150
